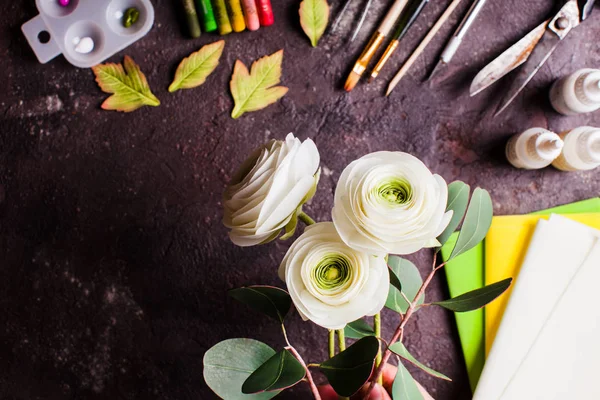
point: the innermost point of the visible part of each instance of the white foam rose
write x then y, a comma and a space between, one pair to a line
330, 283
390, 203
269, 189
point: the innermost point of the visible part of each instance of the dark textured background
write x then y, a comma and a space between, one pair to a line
114, 265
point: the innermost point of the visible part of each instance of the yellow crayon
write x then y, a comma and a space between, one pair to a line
236, 15
222, 18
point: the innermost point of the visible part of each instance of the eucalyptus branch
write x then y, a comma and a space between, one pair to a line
398, 334
309, 378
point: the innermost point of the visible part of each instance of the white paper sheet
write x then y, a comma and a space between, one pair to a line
547, 347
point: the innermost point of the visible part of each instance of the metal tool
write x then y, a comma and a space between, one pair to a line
532, 51
459, 34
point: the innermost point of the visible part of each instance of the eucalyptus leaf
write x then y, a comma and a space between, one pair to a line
279, 372
269, 300
229, 363
410, 277
394, 280
476, 298
358, 329
405, 387
477, 222
401, 350
350, 369
458, 200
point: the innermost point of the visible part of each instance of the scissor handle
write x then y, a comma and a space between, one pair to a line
586, 7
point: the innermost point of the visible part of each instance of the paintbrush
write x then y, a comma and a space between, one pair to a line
376, 40
406, 21
413, 57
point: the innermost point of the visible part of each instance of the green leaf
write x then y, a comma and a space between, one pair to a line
358, 329
314, 16
129, 87
394, 280
458, 199
476, 298
255, 90
229, 363
194, 69
350, 369
477, 222
279, 372
269, 300
401, 350
405, 387
410, 277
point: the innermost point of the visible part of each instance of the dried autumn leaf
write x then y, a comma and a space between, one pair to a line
194, 69
256, 89
129, 86
314, 16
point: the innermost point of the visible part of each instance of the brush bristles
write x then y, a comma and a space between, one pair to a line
352, 80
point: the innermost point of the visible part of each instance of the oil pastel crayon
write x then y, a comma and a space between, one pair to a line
191, 18
251, 14
206, 15
222, 17
265, 12
236, 15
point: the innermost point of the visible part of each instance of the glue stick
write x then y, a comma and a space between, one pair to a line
533, 149
581, 151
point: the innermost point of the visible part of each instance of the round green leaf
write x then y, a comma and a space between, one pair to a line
410, 278
476, 298
458, 199
278, 372
350, 369
477, 222
269, 300
358, 329
229, 363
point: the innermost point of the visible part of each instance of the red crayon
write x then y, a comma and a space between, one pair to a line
265, 12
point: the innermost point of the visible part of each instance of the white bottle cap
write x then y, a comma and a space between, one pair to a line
591, 87
549, 146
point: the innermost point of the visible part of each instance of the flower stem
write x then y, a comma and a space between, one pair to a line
400, 329
377, 328
309, 378
341, 339
305, 218
331, 343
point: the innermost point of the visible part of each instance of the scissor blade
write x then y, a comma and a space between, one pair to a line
536, 60
514, 56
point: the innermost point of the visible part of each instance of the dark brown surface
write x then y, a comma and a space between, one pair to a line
114, 265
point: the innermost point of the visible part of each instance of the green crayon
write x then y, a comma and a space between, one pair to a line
222, 17
206, 15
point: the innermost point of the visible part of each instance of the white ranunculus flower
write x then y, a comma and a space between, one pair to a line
267, 192
330, 283
390, 203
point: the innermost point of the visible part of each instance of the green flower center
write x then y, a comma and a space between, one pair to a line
332, 272
395, 191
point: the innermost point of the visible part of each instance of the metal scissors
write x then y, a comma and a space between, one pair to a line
533, 50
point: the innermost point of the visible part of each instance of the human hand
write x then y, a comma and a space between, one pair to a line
378, 393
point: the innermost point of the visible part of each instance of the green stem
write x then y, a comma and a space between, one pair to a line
305, 218
377, 327
331, 343
341, 339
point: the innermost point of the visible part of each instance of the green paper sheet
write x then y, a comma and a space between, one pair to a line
465, 273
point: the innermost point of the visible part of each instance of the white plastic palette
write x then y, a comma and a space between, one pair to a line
58, 29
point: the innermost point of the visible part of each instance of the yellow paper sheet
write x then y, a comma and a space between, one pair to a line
506, 245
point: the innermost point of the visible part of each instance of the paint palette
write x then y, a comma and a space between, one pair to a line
86, 32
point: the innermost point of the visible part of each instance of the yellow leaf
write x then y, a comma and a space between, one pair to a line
194, 70
256, 89
129, 87
314, 16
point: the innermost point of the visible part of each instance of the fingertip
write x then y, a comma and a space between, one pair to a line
327, 392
